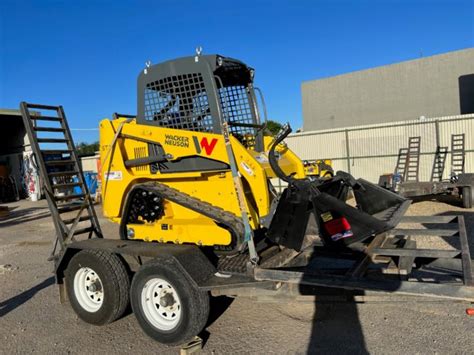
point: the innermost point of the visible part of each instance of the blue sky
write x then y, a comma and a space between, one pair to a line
86, 55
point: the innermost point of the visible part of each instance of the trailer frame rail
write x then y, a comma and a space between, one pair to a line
390, 261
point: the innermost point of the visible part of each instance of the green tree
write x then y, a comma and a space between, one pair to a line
87, 148
273, 128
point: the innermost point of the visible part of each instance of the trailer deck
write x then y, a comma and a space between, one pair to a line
388, 263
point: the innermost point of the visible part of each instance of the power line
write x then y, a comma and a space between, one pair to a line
84, 129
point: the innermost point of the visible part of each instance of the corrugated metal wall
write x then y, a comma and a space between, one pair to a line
371, 150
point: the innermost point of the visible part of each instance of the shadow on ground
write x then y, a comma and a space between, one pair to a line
18, 300
336, 329
24, 215
218, 305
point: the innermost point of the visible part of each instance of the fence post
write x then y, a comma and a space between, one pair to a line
438, 143
348, 154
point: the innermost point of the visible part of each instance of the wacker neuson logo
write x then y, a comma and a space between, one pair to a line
204, 144
178, 141
182, 141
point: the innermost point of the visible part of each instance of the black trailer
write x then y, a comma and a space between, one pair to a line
461, 187
405, 179
391, 262
388, 263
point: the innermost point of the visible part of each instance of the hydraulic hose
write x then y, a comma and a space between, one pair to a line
284, 132
300, 184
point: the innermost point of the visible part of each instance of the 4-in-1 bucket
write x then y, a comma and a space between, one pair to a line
340, 224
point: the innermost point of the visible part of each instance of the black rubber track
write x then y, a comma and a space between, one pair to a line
224, 218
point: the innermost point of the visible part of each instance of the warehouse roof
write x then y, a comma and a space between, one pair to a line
9, 112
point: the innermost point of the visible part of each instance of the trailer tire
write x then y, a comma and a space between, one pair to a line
467, 198
98, 286
171, 321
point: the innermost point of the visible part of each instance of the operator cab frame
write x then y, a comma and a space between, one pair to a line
200, 93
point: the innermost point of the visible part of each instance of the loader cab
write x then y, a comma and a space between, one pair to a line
200, 93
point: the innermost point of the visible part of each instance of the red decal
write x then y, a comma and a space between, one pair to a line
208, 147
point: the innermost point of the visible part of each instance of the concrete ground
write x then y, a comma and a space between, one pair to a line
33, 321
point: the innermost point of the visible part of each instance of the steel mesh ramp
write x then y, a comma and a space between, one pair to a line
400, 167
458, 153
61, 174
391, 262
412, 167
438, 164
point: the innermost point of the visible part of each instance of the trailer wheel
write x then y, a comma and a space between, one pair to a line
97, 285
467, 198
168, 306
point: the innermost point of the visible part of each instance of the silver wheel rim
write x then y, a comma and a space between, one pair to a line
161, 304
88, 289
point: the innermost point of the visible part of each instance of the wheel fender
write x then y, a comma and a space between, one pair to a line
189, 259
170, 260
195, 265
